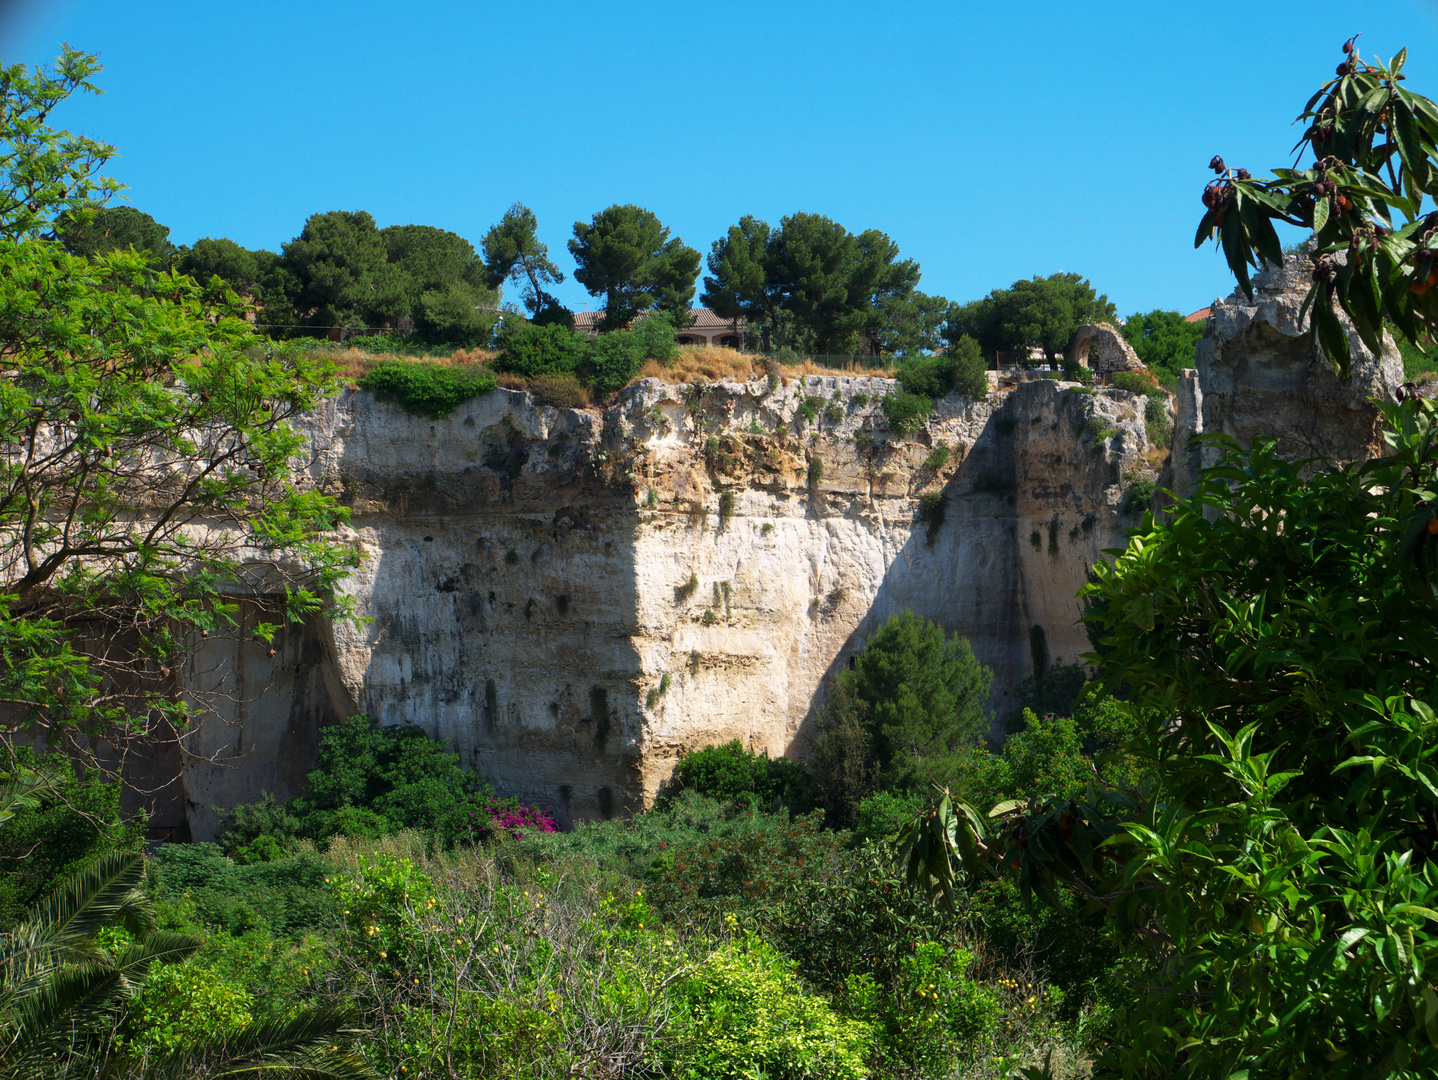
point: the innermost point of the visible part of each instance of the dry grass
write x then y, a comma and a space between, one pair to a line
705, 363
353, 364
709, 363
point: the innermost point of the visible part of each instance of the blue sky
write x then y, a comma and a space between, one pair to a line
990, 141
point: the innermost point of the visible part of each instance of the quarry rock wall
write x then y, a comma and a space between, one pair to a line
573, 598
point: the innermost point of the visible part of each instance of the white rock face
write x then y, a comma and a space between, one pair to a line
572, 599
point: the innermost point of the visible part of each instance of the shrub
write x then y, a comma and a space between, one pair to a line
906, 412
860, 399
726, 508
527, 349
182, 1004
1135, 382
816, 470
969, 372
560, 389
729, 771
834, 413
746, 1014
656, 693
688, 589
196, 885
933, 1014
428, 389
1156, 419
1138, 496
931, 510
757, 872
372, 781
938, 459
884, 813
615, 358
808, 410
74, 825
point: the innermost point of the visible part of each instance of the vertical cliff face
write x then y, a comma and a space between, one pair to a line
573, 598
1260, 373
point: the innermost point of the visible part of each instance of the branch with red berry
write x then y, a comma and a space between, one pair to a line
1363, 199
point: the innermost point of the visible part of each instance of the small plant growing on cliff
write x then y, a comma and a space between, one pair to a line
709, 617
1138, 496
808, 409
726, 508
1036, 538
511, 557
688, 589
988, 480
1156, 421
931, 510
860, 399
656, 693
938, 459
773, 381
766, 528
816, 470
834, 413
906, 412
651, 499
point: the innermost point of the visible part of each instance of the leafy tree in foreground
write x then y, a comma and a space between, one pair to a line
1363, 196
513, 252
1275, 634
626, 257
134, 408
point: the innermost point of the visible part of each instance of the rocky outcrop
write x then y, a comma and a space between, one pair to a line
1260, 373
1111, 352
572, 598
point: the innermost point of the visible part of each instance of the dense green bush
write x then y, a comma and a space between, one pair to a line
961, 369
906, 412
199, 888
561, 390
427, 388
756, 872
747, 1015
371, 781
526, 348
730, 771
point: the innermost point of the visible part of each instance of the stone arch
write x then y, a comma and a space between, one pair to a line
1114, 353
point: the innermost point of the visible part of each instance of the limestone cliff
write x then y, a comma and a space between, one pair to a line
572, 598
1259, 372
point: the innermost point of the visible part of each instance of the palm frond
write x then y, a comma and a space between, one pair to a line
44, 1021
104, 893
19, 793
133, 963
312, 1046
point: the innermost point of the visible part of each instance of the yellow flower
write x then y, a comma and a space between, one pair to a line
382, 955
